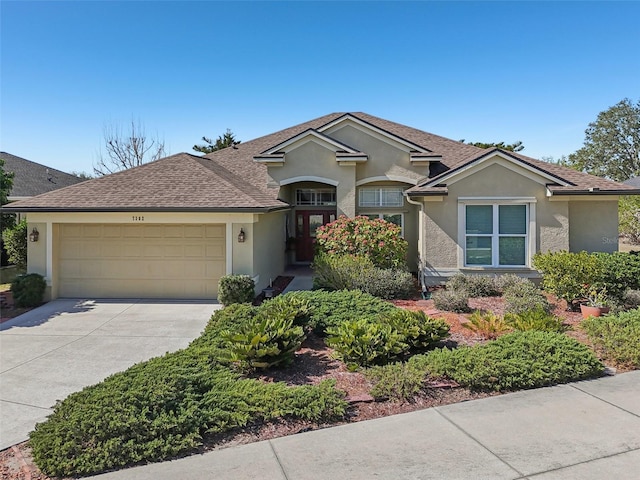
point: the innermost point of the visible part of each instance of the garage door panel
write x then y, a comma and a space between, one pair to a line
154, 261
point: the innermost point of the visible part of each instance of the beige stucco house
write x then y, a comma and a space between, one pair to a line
171, 228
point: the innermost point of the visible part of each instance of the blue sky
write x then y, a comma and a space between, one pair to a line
481, 71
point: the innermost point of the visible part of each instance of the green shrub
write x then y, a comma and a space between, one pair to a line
524, 296
631, 299
565, 273
515, 361
267, 341
451, 301
535, 319
375, 239
618, 336
509, 281
330, 309
348, 272
288, 306
163, 407
15, 243
236, 289
570, 275
474, 285
28, 290
396, 381
417, 329
621, 272
487, 325
364, 343
389, 283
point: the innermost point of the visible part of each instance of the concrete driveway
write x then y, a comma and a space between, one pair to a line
67, 344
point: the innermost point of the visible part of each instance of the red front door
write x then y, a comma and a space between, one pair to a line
307, 222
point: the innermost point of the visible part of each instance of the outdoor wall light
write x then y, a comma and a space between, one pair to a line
241, 236
33, 236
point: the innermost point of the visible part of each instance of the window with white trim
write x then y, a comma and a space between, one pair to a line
496, 235
395, 218
316, 197
381, 197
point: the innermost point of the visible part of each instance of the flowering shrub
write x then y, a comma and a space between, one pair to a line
376, 239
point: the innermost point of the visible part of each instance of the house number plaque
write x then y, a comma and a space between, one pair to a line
136, 218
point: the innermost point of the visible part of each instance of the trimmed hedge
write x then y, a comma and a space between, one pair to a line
28, 290
349, 272
235, 289
518, 360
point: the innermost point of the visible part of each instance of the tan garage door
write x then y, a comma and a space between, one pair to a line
148, 261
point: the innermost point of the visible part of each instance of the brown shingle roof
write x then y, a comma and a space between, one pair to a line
230, 179
179, 182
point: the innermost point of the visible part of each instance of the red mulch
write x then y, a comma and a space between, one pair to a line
313, 363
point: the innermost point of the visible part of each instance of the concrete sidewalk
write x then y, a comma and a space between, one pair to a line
586, 430
67, 344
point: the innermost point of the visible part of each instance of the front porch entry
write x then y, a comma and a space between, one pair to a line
307, 222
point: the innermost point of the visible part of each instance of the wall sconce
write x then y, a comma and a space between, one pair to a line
33, 236
241, 236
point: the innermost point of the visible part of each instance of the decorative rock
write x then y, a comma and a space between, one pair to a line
610, 371
364, 398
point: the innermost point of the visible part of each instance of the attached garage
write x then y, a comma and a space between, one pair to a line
139, 260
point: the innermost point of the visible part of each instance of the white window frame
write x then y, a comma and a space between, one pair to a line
495, 202
381, 216
380, 196
315, 196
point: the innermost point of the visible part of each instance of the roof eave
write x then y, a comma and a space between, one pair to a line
268, 209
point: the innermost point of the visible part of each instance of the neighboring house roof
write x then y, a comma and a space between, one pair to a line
231, 179
31, 178
634, 182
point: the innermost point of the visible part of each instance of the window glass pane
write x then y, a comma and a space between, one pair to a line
512, 250
478, 251
369, 197
315, 221
396, 218
479, 219
392, 197
513, 219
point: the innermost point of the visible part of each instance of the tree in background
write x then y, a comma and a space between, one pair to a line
6, 184
15, 243
512, 147
223, 141
612, 144
83, 175
629, 218
124, 150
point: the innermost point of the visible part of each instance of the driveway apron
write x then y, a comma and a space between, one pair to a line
67, 344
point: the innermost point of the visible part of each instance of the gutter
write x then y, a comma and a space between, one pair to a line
594, 191
7, 208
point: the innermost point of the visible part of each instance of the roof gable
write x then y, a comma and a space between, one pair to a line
375, 131
490, 158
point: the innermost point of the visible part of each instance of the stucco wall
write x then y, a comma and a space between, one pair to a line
494, 181
384, 159
593, 226
269, 247
37, 251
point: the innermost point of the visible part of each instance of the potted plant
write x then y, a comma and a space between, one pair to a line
596, 303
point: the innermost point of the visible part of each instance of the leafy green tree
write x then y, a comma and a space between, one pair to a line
629, 218
512, 147
83, 175
15, 243
6, 184
223, 141
612, 143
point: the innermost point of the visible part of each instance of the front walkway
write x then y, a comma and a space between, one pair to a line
586, 430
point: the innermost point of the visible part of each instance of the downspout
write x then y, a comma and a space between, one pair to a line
421, 235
